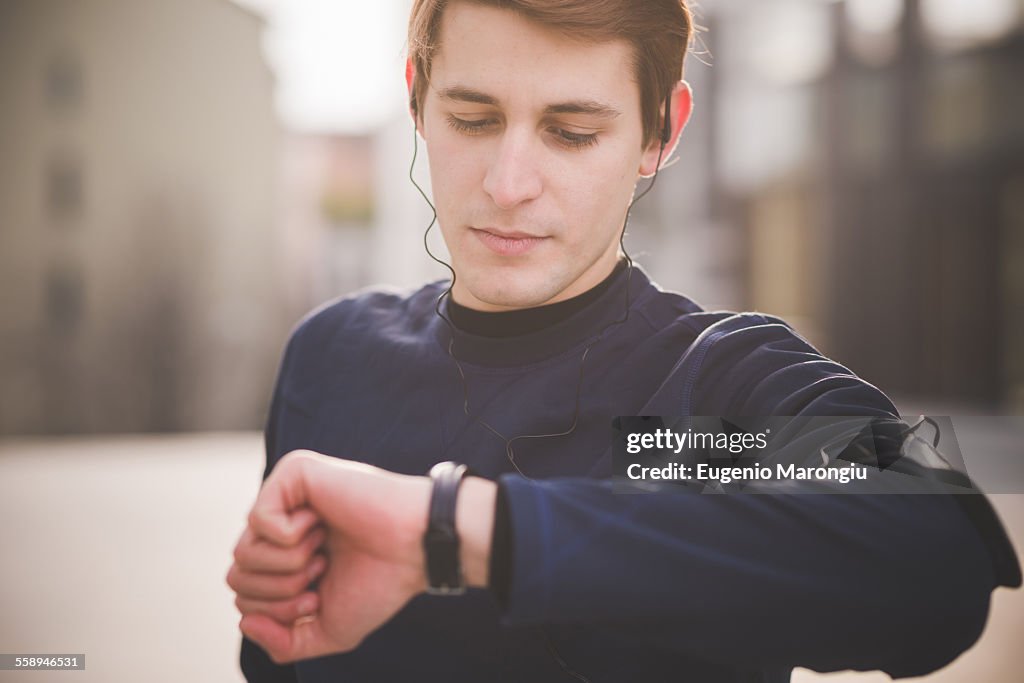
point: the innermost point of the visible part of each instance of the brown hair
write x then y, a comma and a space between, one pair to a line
660, 32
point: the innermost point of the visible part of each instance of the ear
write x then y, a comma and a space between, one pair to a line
410, 78
682, 106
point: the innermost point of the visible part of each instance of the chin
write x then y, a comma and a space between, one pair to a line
510, 298
510, 291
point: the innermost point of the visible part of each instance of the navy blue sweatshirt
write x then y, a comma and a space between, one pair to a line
655, 587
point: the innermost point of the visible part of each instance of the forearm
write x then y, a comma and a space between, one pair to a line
899, 583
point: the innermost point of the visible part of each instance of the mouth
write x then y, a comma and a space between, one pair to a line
507, 243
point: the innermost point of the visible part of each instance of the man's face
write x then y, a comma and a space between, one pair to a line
535, 149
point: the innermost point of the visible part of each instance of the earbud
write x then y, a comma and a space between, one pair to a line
666, 131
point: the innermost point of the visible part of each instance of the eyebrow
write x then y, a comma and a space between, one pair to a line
460, 93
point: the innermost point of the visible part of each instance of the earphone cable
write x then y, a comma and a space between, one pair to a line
509, 450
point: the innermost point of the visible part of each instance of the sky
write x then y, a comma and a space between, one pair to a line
339, 65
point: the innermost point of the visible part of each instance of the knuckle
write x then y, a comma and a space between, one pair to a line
291, 537
232, 578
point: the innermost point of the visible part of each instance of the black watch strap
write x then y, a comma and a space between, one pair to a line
441, 541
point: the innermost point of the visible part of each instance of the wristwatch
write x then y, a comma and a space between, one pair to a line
441, 540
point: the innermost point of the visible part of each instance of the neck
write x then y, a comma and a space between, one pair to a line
520, 321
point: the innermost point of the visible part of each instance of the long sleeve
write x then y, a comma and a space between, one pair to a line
896, 582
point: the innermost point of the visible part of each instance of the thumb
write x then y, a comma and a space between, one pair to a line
300, 640
280, 514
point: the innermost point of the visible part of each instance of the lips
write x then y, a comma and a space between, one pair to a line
507, 243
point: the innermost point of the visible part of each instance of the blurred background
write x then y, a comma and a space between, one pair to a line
181, 180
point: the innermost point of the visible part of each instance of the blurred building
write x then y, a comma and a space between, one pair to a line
856, 167
328, 211
351, 218
926, 198
139, 279
865, 164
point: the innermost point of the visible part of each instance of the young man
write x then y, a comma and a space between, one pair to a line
539, 118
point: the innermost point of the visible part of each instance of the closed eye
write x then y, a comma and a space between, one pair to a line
564, 138
470, 126
572, 140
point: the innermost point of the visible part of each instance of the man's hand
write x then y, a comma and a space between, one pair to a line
368, 523
359, 531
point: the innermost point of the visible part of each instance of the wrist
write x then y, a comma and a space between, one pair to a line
417, 499
457, 529
474, 523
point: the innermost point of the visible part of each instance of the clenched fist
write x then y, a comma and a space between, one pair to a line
354, 530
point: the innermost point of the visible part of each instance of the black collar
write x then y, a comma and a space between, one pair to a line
525, 320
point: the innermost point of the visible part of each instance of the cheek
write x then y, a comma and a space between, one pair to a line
601, 188
453, 172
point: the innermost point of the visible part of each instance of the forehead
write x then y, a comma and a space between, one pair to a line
502, 53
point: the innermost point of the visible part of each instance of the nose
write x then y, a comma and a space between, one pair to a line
513, 176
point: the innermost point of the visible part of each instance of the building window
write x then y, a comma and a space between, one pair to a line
64, 186
64, 297
63, 81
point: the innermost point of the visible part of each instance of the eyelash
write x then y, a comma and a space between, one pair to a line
565, 138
